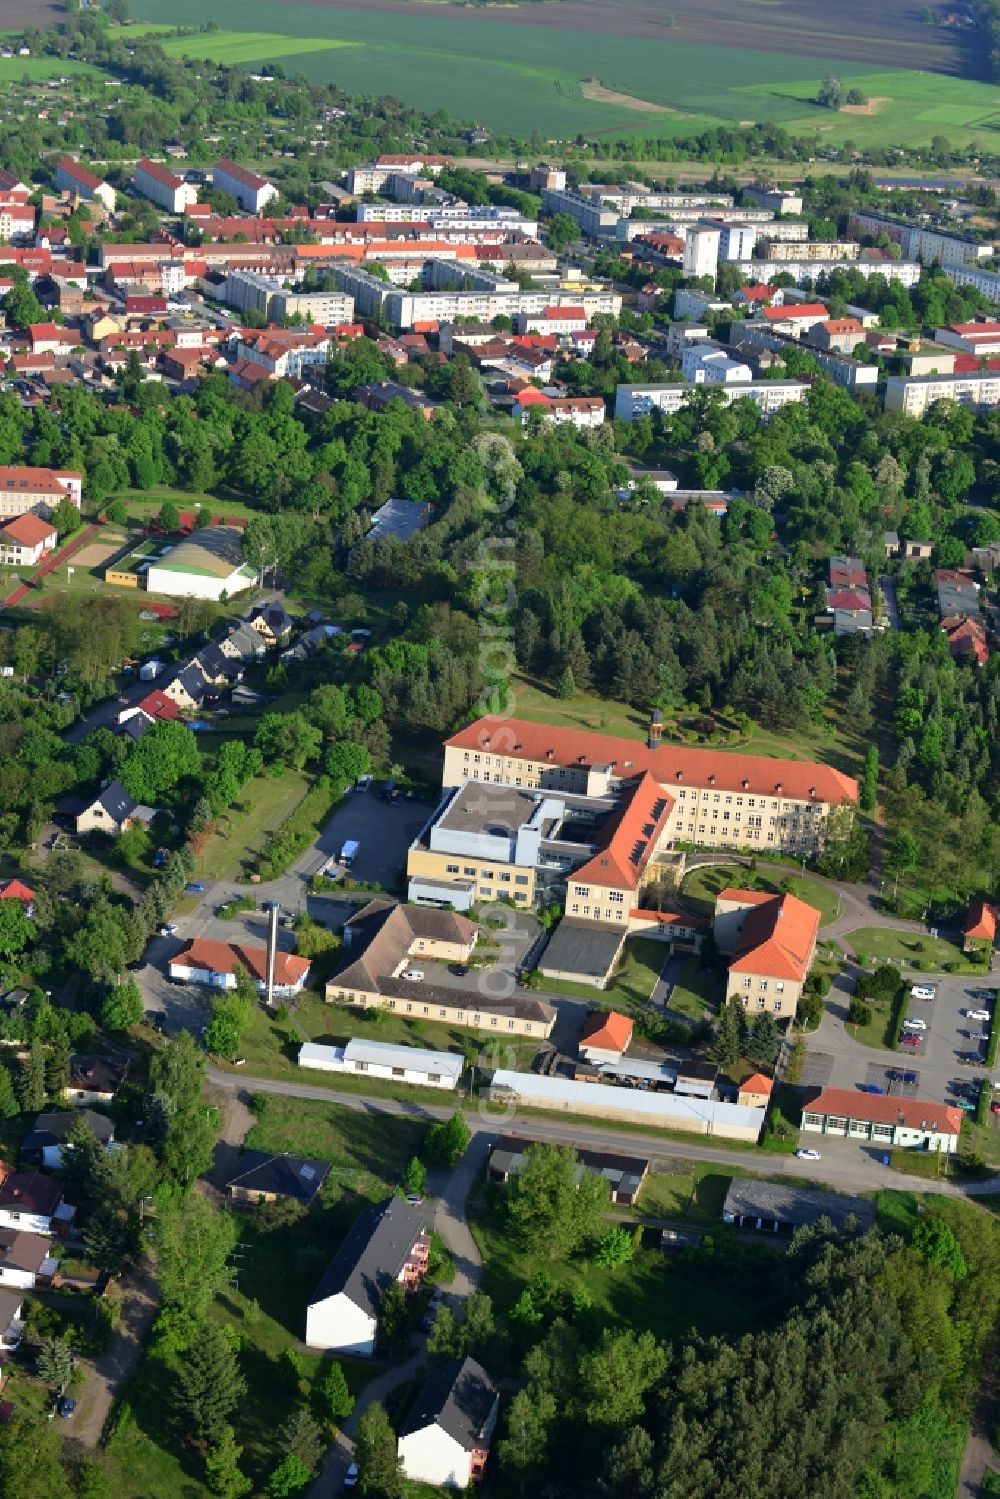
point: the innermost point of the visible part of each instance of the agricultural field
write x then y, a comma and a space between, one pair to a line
632, 67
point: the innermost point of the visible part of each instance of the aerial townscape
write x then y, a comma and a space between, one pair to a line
499, 749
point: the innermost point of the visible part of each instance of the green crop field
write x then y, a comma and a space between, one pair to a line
519, 79
13, 69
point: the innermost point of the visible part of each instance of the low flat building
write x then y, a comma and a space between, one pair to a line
656, 1110
446, 1437
264, 1176
209, 564
624, 1174
387, 1244
908, 1123
781, 1207
381, 1059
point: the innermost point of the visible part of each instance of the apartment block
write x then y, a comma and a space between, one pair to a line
40, 490
79, 182
913, 395
162, 187
632, 401
932, 246
251, 192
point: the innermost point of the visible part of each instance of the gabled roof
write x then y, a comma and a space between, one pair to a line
116, 801
159, 173
283, 1175
630, 838
157, 705
607, 1031
96, 1074
369, 1260
981, 921
757, 1083
778, 936
911, 1113
30, 1192
226, 957
17, 890
28, 530
670, 764
459, 1398
21, 1251
55, 1128
383, 931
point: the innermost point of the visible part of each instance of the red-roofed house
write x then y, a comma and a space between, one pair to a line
887, 1120
838, 335
25, 540
755, 1092
605, 1037
980, 927
83, 184
796, 317
155, 704
51, 338
155, 182
559, 320
966, 639
18, 890
202, 961
771, 941
579, 411
757, 295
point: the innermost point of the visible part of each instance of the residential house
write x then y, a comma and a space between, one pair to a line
243, 644
113, 810
966, 639
445, 1440
755, 1091
33, 1203
94, 1079
25, 1261
840, 335
980, 930
51, 338
48, 1139
11, 1323
25, 540
189, 688
377, 395
606, 1036
957, 593
388, 1244
623, 1174
219, 669
266, 1177
770, 941
203, 961
885, 1120
16, 889
272, 623
581, 412
155, 705
382, 1059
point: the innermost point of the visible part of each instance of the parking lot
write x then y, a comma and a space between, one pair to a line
384, 830
929, 1064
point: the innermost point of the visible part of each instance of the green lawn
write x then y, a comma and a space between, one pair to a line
911, 949
877, 1030
700, 888
367, 1152
143, 503
264, 804
693, 1192
630, 988
696, 991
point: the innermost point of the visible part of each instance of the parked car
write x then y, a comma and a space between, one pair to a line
966, 1105
914, 1025
414, 975
65, 1406
195, 887
351, 1477
458, 969
870, 1088
923, 991
805, 1154
995, 1108
169, 930
911, 1040
976, 1014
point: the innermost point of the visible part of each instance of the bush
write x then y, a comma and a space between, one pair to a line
900, 1010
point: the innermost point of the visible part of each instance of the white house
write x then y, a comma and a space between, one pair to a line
202, 961
164, 188
909, 1123
25, 1260
49, 1137
25, 540
33, 1203
447, 1435
250, 191
404, 1064
387, 1244
94, 1079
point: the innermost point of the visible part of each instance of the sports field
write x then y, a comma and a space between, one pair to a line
615, 68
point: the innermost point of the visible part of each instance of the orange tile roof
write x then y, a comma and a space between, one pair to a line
630, 839
745, 897
912, 1113
757, 1083
29, 530
226, 957
982, 921
778, 938
671, 764
17, 890
797, 310
608, 1031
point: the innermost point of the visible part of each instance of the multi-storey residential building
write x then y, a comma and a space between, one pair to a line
76, 179
932, 246
38, 489
780, 249
913, 395
770, 941
842, 368
908, 272
988, 282
162, 187
708, 363
701, 250
251, 192
17, 220
632, 401
778, 199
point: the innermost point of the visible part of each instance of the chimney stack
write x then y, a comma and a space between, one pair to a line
272, 947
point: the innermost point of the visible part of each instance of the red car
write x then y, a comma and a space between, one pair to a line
995, 1108
909, 1040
